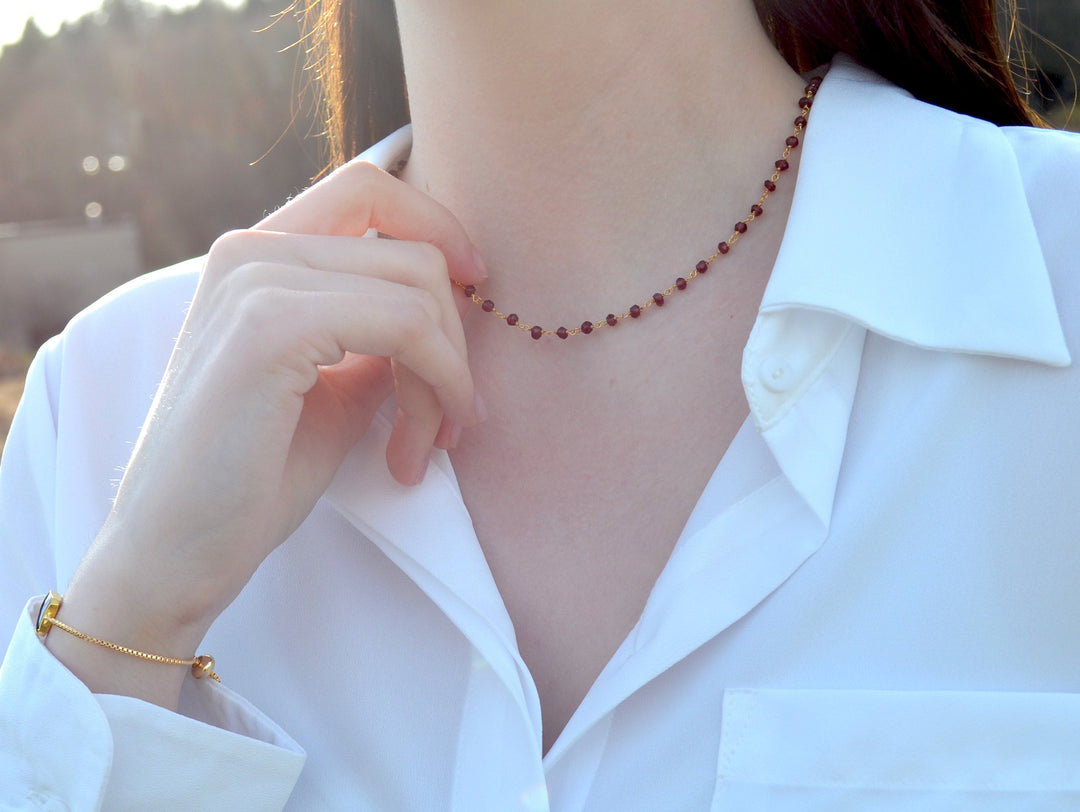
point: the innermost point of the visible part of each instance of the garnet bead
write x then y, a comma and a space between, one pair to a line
740, 228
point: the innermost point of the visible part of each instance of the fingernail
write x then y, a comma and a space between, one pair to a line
478, 261
455, 434
444, 436
422, 470
480, 408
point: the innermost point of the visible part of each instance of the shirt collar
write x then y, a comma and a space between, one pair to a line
909, 221
913, 221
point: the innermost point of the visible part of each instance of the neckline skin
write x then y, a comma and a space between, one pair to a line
591, 150
632, 130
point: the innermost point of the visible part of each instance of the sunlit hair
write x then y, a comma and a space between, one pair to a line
960, 54
354, 53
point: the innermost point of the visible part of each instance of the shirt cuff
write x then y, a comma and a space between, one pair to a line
62, 747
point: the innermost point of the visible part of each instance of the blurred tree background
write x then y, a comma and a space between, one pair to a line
189, 122
1051, 32
193, 122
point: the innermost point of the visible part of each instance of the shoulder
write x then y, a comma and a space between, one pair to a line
1049, 165
1041, 151
1048, 162
109, 359
135, 324
86, 397
147, 304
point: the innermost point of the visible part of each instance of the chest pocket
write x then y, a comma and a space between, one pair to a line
887, 751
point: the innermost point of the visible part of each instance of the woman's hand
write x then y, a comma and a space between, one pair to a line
298, 331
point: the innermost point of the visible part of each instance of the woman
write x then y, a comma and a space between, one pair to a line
799, 536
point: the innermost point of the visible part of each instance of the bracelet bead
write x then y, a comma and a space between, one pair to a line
201, 665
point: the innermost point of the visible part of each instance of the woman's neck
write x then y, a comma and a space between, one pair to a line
584, 145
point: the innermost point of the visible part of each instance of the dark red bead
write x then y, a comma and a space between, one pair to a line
586, 327
740, 227
611, 320
512, 319
487, 306
805, 101
536, 332
800, 121
680, 283
659, 299
702, 266
770, 185
470, 290
792, 141
561, 332
756, 210
635, 311
813, 85
723, 248
782, 165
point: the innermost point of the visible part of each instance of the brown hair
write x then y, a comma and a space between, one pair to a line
355, 52
947, 52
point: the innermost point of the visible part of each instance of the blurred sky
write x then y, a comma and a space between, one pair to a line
49, 14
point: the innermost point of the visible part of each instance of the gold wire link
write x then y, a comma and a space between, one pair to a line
202, 665
650, 302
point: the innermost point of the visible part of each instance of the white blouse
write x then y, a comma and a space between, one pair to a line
874, 605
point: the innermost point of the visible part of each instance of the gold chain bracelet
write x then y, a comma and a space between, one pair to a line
202, 665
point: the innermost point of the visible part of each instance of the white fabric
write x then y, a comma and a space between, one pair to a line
872, 607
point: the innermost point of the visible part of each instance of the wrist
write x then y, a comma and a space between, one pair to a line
126, 614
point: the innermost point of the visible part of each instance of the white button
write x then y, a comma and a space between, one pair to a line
776, 373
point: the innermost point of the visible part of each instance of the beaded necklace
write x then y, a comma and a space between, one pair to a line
756, 210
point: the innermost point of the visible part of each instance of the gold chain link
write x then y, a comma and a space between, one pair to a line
201, 666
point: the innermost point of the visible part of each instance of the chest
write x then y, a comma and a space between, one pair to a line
594, 455
576, 529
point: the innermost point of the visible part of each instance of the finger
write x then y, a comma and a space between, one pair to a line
449, 434
359, 196
337, 412
374, 318
334, 261
416, 425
